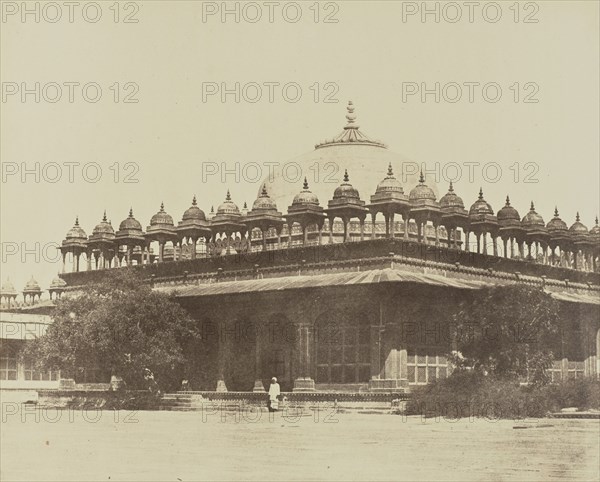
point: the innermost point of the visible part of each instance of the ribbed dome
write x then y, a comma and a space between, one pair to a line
194, 213
451, 200
577, 227
161, 218
365, 159
421, 191
346, 190
58, 283
228, 207
481, 207
76, 232
7, 289
32, 286
130, 223
264, 202
508, 213
305, 196
104, 227
389, 183
596, 229
556, 224
532, 218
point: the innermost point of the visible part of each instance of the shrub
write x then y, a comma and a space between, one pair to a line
470, 393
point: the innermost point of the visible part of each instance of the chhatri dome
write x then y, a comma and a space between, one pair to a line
532, 218
305, 196
161, 218
76, 232
264, 202
451, 199
422, 192
194, 213
130, 223
556, 224
481, 206
346, 190
324, 166
228, 206
8, 289
389, 183
578, 227
508, 213
104, 227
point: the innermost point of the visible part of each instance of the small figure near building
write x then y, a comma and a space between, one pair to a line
274, 392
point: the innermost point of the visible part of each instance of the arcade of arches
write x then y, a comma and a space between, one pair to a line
350, 338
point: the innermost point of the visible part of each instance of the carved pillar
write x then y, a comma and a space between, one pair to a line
290, 235
331, 230
221, 359
304, 343
406, 221
373, 226
258, 384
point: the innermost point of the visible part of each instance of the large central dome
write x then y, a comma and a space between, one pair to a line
324, 167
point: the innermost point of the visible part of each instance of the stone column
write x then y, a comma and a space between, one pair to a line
304, 343
221, 360
392, 225
258, 384
331, 230
406, 221
373, 226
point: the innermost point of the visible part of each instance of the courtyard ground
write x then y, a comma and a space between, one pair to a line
185, 446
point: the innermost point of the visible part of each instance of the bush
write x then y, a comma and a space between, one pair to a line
468, 393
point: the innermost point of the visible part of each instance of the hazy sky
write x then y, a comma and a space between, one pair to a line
372, 55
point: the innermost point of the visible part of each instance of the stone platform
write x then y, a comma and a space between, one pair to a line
292, 401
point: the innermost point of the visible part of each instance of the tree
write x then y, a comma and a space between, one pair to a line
121, 327
507, 331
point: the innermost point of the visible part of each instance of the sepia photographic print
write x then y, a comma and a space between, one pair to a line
301, 240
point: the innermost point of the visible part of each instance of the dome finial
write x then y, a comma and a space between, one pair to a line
390, 171
507, 200
555, 211
305, 184
162, 207
77, 220
194, 203
596, 220
481, 193
346, 178
130, 212
228, 197
577, 217
422, 178
350, 116
212, 209
451, 188
264, 192
245, 205
104, 217
532, 207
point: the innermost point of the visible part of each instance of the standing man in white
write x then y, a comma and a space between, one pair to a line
274, 392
